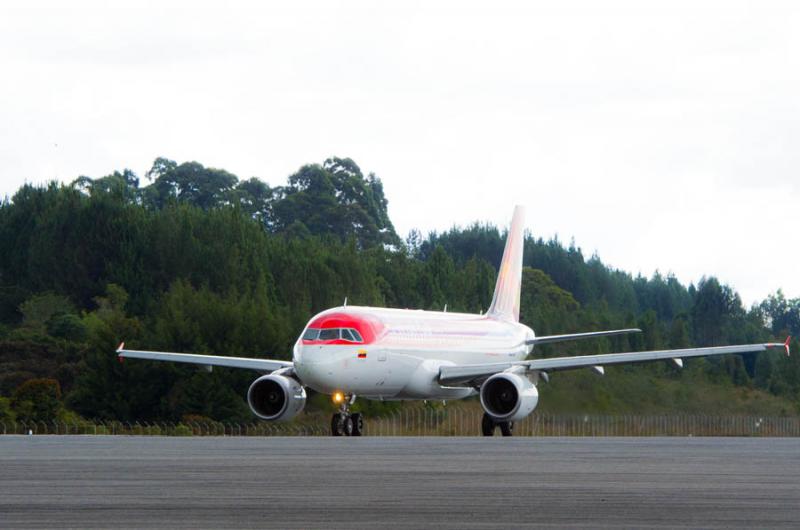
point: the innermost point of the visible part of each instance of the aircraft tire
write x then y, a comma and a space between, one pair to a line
358, 424
348, 425
507, 428
487, 425
337, 425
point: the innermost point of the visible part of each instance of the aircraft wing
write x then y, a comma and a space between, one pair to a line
548, 339
472, 374
262, 365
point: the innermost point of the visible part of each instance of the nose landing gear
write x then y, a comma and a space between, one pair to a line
345, 423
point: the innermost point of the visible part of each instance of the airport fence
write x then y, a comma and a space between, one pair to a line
450, 421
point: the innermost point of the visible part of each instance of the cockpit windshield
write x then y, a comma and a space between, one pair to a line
345, 334
328, 334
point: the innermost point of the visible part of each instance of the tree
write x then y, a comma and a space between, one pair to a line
715, 309
105, 388
544, 306
783, 315
7, 414
38, 310
651, 329
37, 400
189, 182
334, 198
679, 332
255, 199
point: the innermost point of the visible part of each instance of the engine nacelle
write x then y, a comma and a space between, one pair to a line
508, 396
276, 397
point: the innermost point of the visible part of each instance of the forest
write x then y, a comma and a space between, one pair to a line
189, 258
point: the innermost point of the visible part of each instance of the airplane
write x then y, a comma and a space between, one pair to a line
402, 354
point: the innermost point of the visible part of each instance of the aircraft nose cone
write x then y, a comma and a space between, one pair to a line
309, 354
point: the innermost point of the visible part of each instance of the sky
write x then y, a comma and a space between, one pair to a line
659, 135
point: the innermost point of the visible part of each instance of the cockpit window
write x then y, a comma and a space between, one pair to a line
328, 334
311, 334
348, 334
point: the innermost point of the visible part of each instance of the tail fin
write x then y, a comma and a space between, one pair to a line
505, 304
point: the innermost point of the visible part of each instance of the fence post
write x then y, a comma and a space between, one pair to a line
429, 413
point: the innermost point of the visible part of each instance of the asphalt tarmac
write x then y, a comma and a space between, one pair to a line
154, 482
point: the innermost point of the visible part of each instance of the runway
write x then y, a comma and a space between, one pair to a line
154, 482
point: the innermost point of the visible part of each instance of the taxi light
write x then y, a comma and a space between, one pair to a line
338, 398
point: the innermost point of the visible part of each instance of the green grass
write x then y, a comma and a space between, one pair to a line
640, 391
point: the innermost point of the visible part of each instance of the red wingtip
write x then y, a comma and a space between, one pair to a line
786, 345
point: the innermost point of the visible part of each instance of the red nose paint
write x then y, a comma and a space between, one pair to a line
368, 326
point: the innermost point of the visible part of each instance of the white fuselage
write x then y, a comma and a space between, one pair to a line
400, 351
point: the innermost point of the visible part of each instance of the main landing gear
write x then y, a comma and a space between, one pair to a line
345, 423
488, 425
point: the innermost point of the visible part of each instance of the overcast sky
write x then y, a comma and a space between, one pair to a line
662, 137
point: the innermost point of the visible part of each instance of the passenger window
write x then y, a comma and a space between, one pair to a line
356, 336
311, 334
328, 334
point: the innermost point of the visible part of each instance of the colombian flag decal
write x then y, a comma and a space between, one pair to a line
362, 354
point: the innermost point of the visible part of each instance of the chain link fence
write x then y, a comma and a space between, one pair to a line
451, 421
461, 422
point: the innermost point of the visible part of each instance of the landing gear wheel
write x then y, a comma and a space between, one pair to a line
507, 428
358, 424
337, 424
343, 423
487, 425
348, 425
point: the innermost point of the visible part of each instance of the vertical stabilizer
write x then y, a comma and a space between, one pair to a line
505, 303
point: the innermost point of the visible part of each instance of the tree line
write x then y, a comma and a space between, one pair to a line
194, 259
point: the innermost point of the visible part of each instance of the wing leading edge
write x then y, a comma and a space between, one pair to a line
475, 373
262, 365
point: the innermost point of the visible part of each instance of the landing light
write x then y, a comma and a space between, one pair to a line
338, 397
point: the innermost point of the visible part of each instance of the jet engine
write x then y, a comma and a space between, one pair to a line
508, 396
276, 397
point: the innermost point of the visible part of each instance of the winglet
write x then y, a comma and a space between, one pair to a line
786, 345
120, 347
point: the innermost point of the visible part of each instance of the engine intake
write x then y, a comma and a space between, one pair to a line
508, 396
276, 397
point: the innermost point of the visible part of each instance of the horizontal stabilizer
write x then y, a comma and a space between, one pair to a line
580, 336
